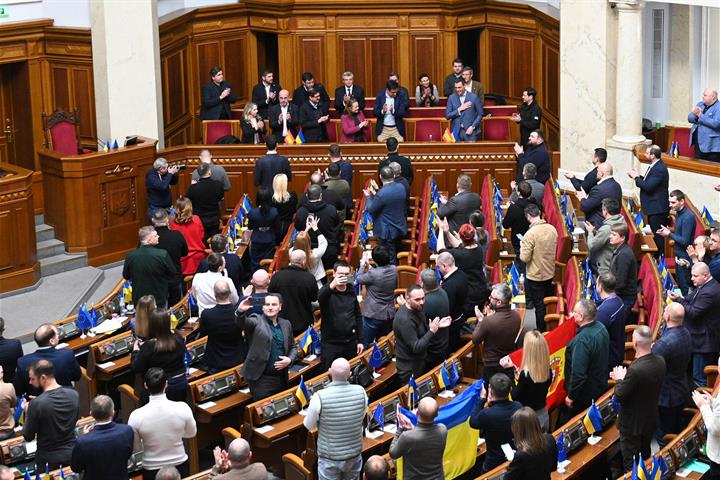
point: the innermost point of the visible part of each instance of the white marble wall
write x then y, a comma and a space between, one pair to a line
680, 68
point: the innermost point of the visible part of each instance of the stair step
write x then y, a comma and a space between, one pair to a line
39, 219
44, 232
49, 248
62, 263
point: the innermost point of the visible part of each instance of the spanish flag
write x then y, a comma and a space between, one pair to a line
300, 139
302, 393
289, 139
449, 136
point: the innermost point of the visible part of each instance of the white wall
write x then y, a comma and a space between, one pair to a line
66, 13
656, 108
169, 6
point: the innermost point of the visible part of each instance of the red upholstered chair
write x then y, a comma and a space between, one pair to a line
62, 132
332, 130
426, 112
496, 128
489, 101
500, 110
214, 129
682, 136
425, 128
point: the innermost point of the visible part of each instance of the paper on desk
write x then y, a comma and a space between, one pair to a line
374, 434
390, 428
310, 358
108, 326
192, 370
480, 441
683, 472
303, 412
592, 439
105, 365
644, 246
245, 390
264, 429
696, 465
446, 394
31, 447
207, 404
376, 375
60, 345
504, 252
578, 231
192, 319
518, 299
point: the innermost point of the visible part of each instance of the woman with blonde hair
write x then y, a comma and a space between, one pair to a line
285, 202
192, 230
145, 306
534, 375
536, 454
253, 127
313, 255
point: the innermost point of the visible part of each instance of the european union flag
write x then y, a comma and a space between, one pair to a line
413, 395
115, 145
192, 303
302, 393
27, 474
615, 404
563, 203
62, 474
561, 448
593, 419
438, 274
454, 374
408, 414
37, 473
94, 316
83, 322
363, 233
379, 415
631, 204
376, 357
187, 363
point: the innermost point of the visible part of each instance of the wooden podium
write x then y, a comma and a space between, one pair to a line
19, 266
97, 201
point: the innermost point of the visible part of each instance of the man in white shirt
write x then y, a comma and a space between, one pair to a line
203, 285
160, 427
284, 117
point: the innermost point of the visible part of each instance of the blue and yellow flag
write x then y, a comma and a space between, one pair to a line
443, 379
706, 217
412, 390
561, 448
307, 340
246, 205
302, 393
19, 413
300, 139
659, 468
127, 292
593, 419
639, 221
639, 472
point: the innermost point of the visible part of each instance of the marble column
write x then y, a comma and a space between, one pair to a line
680, 68
126, 67
629, 74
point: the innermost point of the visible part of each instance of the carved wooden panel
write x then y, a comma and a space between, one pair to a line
353, 58
312, 57
551, 81
208, 55
174, 86
383, 59
61, 87
499, 64
522, 58
424, 60
84, 100
235, 65
119, 202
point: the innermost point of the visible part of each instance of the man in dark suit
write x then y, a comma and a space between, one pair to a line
284, 117
458, 208
587, 183
206, 196
683, 236
329, 196
10, 351
637, 390
393, 156
492, 417
270, 165
702, 319
387, 208
301, 95
265, 93
390, 110
607, 187
654, 192
174, 243
226, 346
104, 450
328, 216
347, 91
298, 289
217, 97
455, 284
150, 269
67, 369
623, 265
314, 118
537, 154
465, 111
612, 313
266, 365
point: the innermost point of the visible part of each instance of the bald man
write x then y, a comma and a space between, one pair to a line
337, 411
299, 290
705, 132
284, 117
607, 187
235, 463
702, 319
258, 290
376, 468
168, 473
421, 446
226, 345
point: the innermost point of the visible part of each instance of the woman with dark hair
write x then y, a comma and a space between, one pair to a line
426, 94
380, 282
164, 349
353, 123
536, 454
141, 321
264, 222
193, 231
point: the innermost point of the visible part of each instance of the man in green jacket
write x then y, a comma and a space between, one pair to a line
149, 269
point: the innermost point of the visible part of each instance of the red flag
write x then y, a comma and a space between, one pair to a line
557, 341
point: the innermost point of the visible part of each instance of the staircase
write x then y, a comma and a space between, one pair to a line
51, 251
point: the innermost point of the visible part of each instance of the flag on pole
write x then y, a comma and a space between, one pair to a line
302, 393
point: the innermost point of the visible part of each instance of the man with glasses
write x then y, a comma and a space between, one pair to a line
314, 117
701, 251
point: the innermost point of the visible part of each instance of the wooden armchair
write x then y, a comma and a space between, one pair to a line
128, 402
62, 132
229, 434
295, 469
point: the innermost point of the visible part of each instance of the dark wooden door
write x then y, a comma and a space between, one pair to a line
16, 136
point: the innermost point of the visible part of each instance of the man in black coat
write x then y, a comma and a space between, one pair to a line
458, 208
607, 187
226, 347
298, 288
10, 351
206, 196
270, 165
314, 118
329, 222
654, 192
529, 116
590, 180
150, 269
347, 91
393, 156
265, 93
284, 117
330, 197
455, 283
174, 243
217, 97
637, 391
516, 220
301, 95
623, 265
537, 154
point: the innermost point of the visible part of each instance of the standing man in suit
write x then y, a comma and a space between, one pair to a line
683, 236
284, 117
454, 283
607, 187
472, 86
705, 132
314, 118
537, 154
591, 179
394, 156
529, 116
390, 110
270, 165
150, 269
612, 313
206, 196
298, 289
226, 345
271, 347
654, 192
265, 93
301, 95
67, 369
104, 450
387, 208
702, 319
349, 91
449, 84
217, 97
458, 208
623, 265
637, 390
464, 110
158, 181
10, 351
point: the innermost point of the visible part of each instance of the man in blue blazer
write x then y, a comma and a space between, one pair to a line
607, 187
67, 369
465, 112
104, 449
387, 208
705, 132
390, 109
654, 192
537, 154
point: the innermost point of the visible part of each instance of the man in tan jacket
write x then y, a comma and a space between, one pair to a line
537, 250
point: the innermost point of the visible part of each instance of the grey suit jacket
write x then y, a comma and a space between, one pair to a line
458, 208
259, 335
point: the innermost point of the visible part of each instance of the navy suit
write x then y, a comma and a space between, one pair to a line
675, 346
10, 351
654, 198
387, 208
702, 319
268, 166
104, 452
494, 423
683, 236
356, 92
612, 313
402, 102
539, 156
260, 98
67, 369
592, 205
586, 183
470, 117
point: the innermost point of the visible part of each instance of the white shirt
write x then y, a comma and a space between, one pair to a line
267, 92
389, 116
317, 268
160, 427
711, 417
283, 111
203, 286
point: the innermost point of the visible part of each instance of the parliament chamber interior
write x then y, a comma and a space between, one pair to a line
76, 162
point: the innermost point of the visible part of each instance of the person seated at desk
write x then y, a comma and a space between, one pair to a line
421, 447
536, 454
226, 345
426, 93
494, 421
235, 463
253, 127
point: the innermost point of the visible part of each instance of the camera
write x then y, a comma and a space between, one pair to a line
180, 166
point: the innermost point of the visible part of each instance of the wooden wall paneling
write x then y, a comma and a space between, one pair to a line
235, 65
551, 79
83, 89
312, 58
208, 54
499, 64
383, 59
174, 86
424, 60
287, 61
522, 58
60, 87
352, 53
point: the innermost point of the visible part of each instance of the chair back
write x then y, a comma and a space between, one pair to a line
496, 128
426, 128
61, 131
499, 110
332, 130
215, 129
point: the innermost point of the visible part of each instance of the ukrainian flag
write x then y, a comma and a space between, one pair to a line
19, 413
127, 292
412, 391
302, 393
306, 341
593, 419
639, 221
706, 217
639, 472
300, 139
443, 379
659, 468
246, 205
173, 320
